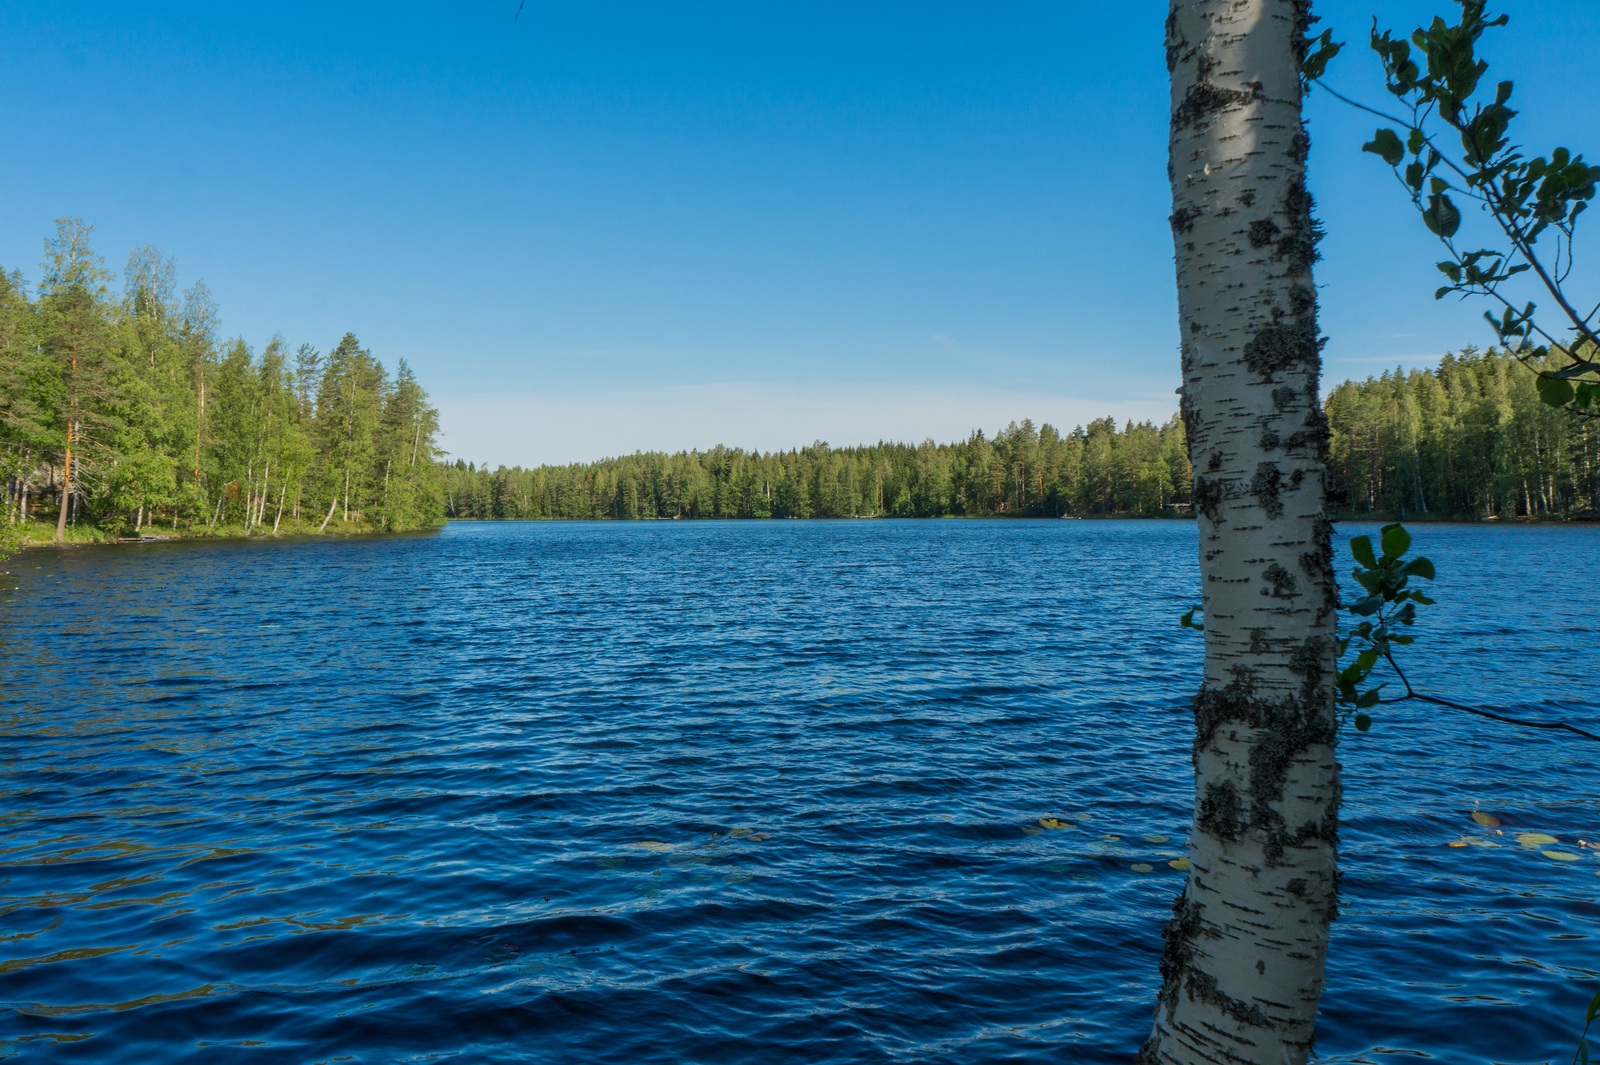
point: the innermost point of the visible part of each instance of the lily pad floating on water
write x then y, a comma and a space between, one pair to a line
1179, 864
1535, 839
1054, 823
1560, 856
1473, 841
655, 846
1485, 819
740, 833
1155, 837
1142, 867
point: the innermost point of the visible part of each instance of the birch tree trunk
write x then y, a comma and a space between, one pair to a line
66, 485
331, 507
1242, 967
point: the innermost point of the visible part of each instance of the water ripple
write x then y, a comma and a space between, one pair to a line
844, 792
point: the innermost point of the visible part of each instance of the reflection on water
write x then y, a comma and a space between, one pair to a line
854, 792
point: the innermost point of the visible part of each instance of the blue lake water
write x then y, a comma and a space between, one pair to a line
724, 792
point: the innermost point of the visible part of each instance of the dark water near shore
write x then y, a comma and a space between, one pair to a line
733, 793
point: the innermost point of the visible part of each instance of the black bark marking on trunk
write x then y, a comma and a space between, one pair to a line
1182, 220
1175, 44
1208, 498
1283, 584
1283, 345
1265, 486
1177, 953
1215, 706
1319, 560
1297, 724
1187, 413
1263, 231
1298, 245
1203, 985
1205, 99
1284, 730
1221, 813
1269, 439
1302, 300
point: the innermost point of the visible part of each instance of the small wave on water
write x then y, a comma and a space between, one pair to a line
724, 792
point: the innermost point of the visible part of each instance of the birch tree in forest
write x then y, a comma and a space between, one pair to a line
1242, 965
80, 378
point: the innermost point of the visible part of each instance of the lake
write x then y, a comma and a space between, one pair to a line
735, 792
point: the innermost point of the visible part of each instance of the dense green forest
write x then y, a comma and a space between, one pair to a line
1469, 439
1023, 470
131, 402
125, 412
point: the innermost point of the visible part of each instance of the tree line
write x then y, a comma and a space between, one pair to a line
125, 411
1023, 470
1470, 438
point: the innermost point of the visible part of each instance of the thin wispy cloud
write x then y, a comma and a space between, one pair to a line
530, 429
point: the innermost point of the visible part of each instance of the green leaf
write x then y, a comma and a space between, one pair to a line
1188, 621
1554, 391
1366, 607
1361, 549
1594, 1009
1419, 567
1442, 217
1396, 541
1386, 145
1319, 55
1363, 722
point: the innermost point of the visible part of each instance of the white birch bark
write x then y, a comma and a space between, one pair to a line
1242, 968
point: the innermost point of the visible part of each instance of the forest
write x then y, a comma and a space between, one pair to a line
130, 407
126, 413
1025, 471
1468, 439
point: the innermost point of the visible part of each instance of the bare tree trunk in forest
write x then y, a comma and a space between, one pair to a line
138, 522
66, 484
331, 508
1242, 967
276, 518
261, 504
346, 517
218, 512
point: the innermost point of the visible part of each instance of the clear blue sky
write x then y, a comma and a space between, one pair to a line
606, 226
